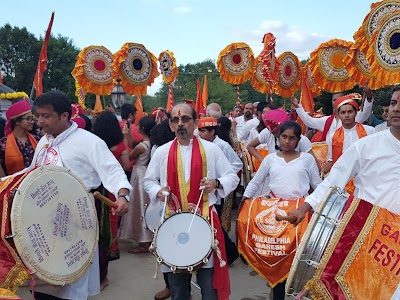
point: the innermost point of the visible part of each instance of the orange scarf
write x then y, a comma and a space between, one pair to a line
338, 140
13, 158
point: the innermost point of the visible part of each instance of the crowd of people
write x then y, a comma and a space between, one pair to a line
194, 160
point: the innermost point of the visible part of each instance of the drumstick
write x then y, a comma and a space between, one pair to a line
291, 219
166, 194
105, 200
198, 203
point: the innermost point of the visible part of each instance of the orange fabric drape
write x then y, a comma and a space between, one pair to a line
139, 107
13, 158
269, 246
338, 140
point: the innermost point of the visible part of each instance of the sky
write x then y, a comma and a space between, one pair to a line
195, 30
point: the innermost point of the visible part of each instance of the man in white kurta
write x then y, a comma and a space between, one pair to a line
385, 112
319, 123
89, 158
374, 161
220, 177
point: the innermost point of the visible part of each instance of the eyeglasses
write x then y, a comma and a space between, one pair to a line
184, 119
28, 119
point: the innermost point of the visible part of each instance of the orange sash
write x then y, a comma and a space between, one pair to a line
338, 140
269, 246
13, 158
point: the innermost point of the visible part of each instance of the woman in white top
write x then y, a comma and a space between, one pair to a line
290, 174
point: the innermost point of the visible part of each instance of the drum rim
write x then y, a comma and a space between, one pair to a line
147, 205
21, 245
194, 266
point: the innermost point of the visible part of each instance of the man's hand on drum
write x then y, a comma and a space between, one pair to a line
165, 191
299, 213
209, 184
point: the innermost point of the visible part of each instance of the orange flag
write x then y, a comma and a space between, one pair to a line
306, 98
204, 95
199, 100
170, 101
98, 107
42, 64
139, 107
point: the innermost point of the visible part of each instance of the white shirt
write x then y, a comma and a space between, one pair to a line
87, 156
375, 161
381, 127
319, 123
350, 136
248, 131
230, 154
266, 137
286, 180
218, 166
240, 122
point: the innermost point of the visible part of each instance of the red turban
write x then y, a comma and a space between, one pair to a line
274, 118
16, 110
348, 99
76, 111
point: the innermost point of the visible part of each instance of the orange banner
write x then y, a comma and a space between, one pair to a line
269, 246
364, 257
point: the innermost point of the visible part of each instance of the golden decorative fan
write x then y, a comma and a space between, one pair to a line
379, 11
289, 75
168, 68
327, 67
92, 70
384, 51
136, 67
236, 63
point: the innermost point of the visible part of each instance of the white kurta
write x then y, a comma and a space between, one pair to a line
350, 136
319, 123
248, 131
230, 154
89, 158
375, 161
240, 122
381, 127
286, 180
266, 137
218, 166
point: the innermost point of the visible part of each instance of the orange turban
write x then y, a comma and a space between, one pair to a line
207, 122
347, 99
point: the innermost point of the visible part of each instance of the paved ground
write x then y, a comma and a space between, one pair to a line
131, 278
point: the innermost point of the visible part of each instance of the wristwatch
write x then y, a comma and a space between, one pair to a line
124, 196
218, 183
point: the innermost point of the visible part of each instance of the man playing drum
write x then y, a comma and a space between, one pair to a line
93, 163
180, 167
374, 161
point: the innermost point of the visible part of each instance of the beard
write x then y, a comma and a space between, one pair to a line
182, 133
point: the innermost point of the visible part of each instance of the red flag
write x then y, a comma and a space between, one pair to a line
170, 101
199, 100
42, 64
139, 109
204, 95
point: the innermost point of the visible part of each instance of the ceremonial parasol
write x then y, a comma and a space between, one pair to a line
384, 51
136, 67
379, 11
169, 72
289, 75
236, 63
258, 81
315, 90
359, 69
93, 70
327, 67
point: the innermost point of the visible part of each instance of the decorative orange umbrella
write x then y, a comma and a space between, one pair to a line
258, 81
236, 63
270, 66
359, 69
327, 67
289, 75
384, 51
92, 70
168, 68
379, 11
136, 67
315, 90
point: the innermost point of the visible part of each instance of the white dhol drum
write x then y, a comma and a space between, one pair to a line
152, 215
180, 249
317, 236
54, 225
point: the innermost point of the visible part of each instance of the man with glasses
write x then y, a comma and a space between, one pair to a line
18, 146
180, 168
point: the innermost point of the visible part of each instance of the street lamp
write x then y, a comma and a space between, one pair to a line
118, 95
